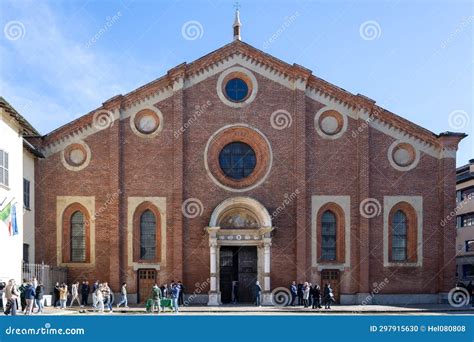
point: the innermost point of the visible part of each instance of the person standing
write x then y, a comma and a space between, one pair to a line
156, 297
63, 295
22, 289
294, 292
306, 290
316, 297
181, 293
75, 293
258, 294
39, 297
29, 298
11, 295
235, 291
174, 297
85, 289
300, 293
56, 293
123, 294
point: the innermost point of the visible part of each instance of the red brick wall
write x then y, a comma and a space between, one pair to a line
166, 166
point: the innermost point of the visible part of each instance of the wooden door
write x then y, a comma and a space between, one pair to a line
247, 273
146, 280
331, 277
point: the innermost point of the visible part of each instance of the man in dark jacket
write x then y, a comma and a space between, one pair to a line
181, 293
30, 293
22, 289
294, 292
316, 293
39, 297
299, 292
56, 294
85, 289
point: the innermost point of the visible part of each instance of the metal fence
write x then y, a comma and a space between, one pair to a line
47, 274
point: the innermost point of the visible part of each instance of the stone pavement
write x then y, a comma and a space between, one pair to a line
425, 309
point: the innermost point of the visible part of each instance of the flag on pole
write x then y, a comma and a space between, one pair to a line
8, 216
5, 216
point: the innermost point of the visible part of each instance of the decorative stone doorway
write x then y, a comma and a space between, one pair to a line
239, 222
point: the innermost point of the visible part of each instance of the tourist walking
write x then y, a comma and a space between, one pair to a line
328, 296
306, 290
294, 292
174, 297
85, 289
94, 293
107, 295
75, 293
29, 297
39, 297
63, 295
156, 296
11, 295
99, 298
123, 294
258, 294
316, 297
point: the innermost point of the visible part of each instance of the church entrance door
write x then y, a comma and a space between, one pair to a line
238, 267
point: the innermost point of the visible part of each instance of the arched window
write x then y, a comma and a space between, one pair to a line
328, 236
399, 236
147, 235
78, 237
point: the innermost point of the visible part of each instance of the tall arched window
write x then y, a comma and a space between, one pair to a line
147, 235
328, 236
399, 236
78, 237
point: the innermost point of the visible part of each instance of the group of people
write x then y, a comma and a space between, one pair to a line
173, 292
30, 294
101, 295
308, 295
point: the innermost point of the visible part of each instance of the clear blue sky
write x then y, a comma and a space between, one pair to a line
417, 61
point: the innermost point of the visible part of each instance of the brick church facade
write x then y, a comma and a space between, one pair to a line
241, 167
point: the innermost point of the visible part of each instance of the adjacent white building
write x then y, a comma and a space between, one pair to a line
17, 163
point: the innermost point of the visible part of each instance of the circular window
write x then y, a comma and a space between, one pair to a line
237, 87
403, 156
330, 124
236, 90
76, 156
237, 160
147, 122
238, 157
